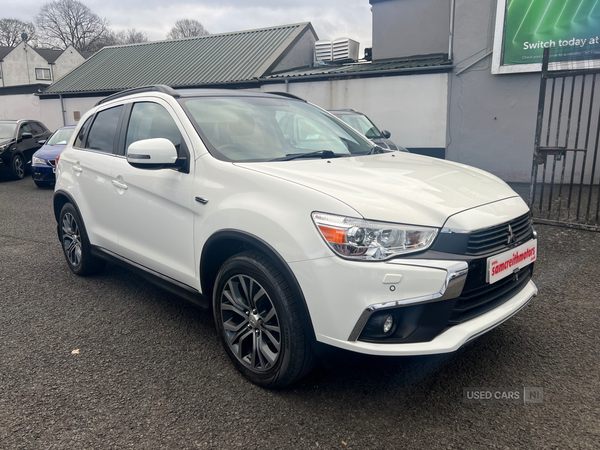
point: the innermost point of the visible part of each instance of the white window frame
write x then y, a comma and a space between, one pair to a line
43, 70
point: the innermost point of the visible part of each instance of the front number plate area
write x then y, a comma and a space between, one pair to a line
511, 261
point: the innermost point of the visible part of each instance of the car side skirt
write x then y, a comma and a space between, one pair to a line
169, 284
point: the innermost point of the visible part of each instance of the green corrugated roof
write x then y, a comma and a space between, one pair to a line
212, 59
356, 68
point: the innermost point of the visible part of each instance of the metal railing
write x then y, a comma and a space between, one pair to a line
564, 186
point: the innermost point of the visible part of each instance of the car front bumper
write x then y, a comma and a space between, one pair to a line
43, 173
341, 296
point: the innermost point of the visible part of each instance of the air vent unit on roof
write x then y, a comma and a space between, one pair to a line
342, 49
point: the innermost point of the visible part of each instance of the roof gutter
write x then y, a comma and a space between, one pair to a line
370, 73
270, 80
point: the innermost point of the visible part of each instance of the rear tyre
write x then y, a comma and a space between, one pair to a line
17, 167
258, 322
75, 243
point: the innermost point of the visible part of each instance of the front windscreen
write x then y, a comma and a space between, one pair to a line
61, 137
265, 129
362, 124
7, 130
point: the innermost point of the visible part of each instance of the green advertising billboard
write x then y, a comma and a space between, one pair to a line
570, 28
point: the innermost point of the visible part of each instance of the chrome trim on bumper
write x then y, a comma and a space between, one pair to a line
456, 275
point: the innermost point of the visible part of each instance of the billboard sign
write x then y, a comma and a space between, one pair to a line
524, 28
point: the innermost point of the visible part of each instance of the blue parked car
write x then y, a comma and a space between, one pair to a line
43, 161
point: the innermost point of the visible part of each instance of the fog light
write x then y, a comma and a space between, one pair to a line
388, 324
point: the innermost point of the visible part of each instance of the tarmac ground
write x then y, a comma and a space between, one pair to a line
110, 361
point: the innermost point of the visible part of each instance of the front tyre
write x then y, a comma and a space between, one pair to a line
258, 322
17, 167
75, 243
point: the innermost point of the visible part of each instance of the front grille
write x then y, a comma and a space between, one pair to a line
495, 239
483, 298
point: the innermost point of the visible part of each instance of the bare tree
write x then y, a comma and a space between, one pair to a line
187, 28
12, 29
61, 23
129, 36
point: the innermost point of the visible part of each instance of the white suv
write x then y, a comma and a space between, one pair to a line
297, 232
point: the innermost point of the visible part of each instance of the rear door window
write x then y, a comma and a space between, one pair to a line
102, 135
35, 128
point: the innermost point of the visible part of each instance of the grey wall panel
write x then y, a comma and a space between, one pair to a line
410, 27
491, 121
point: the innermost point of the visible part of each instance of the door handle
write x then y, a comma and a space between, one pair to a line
77, 169
119, 185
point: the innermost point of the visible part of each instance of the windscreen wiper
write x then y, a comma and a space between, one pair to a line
319, 153
376, 150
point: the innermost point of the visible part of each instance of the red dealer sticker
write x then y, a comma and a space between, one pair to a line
509, 262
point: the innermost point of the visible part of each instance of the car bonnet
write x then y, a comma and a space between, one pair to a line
49, 151
394, 187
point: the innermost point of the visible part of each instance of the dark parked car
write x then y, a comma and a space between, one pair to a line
43, 161
363, 124
19, 140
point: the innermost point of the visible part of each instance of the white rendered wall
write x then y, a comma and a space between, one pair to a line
29, 106
67, 61
18, 67
412, 107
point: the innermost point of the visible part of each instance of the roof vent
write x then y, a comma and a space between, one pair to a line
342, 49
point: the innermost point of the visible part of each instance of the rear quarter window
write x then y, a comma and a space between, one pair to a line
79, 141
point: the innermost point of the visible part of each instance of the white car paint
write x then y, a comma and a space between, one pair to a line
157, 223
395, 187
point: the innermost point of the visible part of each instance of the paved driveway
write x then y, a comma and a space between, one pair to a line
150, 373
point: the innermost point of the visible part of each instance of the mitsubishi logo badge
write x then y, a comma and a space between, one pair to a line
511, 235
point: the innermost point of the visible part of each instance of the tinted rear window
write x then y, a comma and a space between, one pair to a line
104, 129
81, 136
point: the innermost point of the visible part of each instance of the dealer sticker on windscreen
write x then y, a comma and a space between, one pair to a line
511, 261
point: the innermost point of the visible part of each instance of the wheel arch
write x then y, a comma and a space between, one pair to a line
225, 243
60, 199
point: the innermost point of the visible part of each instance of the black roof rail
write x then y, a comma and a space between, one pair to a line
153, 88
288, 95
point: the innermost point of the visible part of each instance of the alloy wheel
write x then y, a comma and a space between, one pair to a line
71, 239
250, 322
19, 167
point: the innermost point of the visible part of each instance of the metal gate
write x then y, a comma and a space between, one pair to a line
565, 176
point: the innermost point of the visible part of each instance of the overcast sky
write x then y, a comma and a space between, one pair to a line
330, 18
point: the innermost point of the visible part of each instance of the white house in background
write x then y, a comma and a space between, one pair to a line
24, 65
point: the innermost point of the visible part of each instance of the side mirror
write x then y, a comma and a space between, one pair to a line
26, 136
386, 134
42, 142
155, 153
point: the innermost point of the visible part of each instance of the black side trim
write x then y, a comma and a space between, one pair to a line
271, 253
169, 284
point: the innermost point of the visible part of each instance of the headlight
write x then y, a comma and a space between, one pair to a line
39, 161
368, 240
